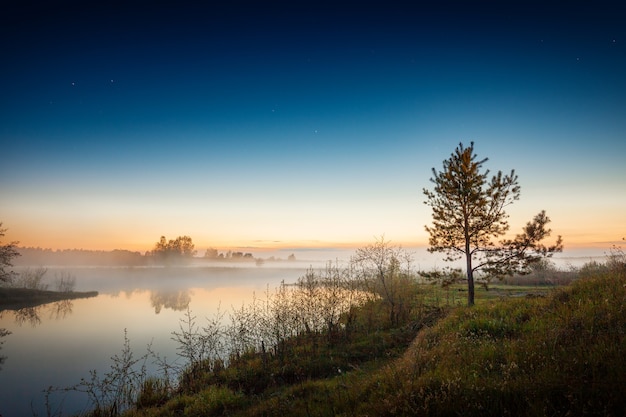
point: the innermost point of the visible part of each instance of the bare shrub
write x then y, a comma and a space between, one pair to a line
65, 282
202, 348
32, 279
246, 331
385, 269
616, 260
114, 392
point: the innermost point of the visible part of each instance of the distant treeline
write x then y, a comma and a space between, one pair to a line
39, 256
30, 256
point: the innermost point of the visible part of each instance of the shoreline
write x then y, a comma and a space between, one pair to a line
18, 298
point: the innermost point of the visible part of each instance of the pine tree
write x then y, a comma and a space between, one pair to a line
468, 210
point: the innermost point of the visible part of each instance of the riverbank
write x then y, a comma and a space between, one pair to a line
18, 298
558, 353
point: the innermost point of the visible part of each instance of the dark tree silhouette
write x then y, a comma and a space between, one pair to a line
7, 253
468, 217
174, 250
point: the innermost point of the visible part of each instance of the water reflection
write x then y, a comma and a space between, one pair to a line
32, 315
28, 315
84, 334
175, 300
3, 333
61, 309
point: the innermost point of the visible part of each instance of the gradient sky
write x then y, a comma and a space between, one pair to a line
307, 124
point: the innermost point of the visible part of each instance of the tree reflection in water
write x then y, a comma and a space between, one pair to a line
32, 315
175, 300
28, 315
61, 309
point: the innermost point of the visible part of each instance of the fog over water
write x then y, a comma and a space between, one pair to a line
59, 343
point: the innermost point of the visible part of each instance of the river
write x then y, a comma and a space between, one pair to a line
57, 344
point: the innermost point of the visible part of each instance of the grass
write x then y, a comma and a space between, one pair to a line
564, 354
521, 351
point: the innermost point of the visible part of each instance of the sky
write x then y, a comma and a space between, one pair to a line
305, 124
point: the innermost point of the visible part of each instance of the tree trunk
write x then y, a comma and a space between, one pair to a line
470, 280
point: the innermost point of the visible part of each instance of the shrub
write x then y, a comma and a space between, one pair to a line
32, 279
65, 282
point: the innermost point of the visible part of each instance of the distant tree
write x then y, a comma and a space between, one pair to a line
291, 257
161, 246
7, 253
211, 253
181, 248
184, 246
468, 215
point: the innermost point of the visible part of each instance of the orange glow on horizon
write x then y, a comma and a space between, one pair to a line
574, 241
106, 237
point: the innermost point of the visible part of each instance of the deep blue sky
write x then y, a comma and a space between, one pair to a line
307, 123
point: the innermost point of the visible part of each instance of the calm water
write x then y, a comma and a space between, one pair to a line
59, 343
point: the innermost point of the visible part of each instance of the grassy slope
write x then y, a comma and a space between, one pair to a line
563, 354
17, 298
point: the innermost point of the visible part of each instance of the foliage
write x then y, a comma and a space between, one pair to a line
385, 270
210, 401
173, 251
153, 392
8, 252
616, 260
468, 211
615, 264
211, 253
